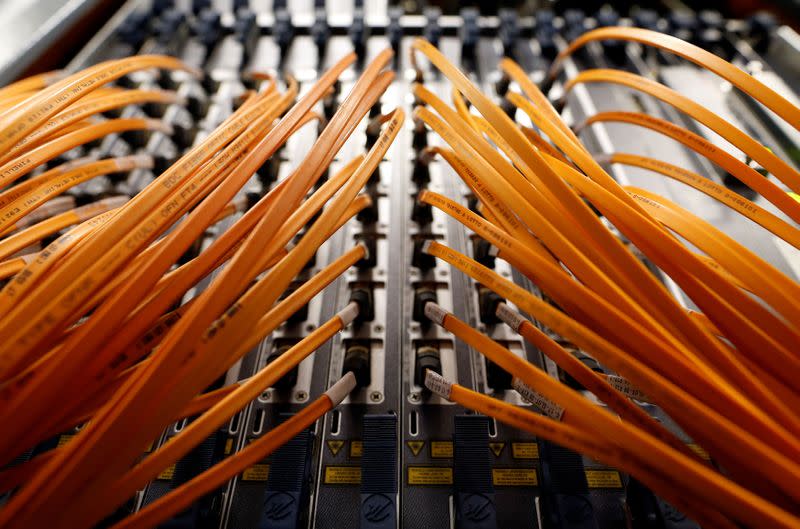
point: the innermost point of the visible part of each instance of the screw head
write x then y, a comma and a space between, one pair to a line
375, 396
301, 395
414, 397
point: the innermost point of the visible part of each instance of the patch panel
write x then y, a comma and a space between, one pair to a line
438, 456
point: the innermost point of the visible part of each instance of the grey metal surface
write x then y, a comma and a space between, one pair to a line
29, 27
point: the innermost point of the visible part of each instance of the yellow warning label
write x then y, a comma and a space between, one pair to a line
525, 450
350, 475
441, 448
335, 446
258, 472
228, 446
496, 448
64, 439
603, 479
356, 449
415, 446
430, 476
514, 477
167, 473
699, 450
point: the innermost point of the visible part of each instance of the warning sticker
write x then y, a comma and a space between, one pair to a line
345, 475
430, 476
442, 449
415, 446
258, 472
496, 448
514, 477
699, 450
524, 450
335, 446
228, 446
356, 449
603, 479
167, 473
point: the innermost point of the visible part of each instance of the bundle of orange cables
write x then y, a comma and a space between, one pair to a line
79, 314
727, 374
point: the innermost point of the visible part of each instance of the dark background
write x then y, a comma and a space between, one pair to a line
787, 11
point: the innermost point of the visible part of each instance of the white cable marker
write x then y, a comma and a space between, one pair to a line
348, 314
77, 162
547, 406
239, 203
52, 207
437, 384
126, 163
511, 317
93, 209
435, 313
342, 388
366, 251
493, 250
160, 126
624, 386
114, 202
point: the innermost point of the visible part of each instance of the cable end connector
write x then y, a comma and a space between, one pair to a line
114, 202
135, 161
159, 126
171, 97
342, 388
437, 384
545, 405
435, 313
349, 313
426, 246
366, 251
509, 316
77, 162
240, 203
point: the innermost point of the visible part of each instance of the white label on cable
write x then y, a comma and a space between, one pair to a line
547, 406
435, 313
624, 386
348, 314
437, 384
511, 317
